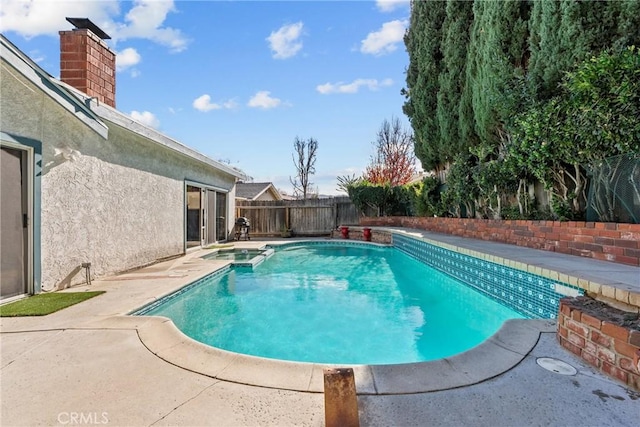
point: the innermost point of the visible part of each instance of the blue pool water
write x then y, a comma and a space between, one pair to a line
337, 304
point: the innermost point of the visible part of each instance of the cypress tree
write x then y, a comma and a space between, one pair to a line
466, 80
498, 51
588, 27
565, 33
412, 43
422, 41
628, 25
548, 56
455, 30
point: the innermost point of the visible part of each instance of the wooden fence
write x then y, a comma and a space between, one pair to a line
311, 217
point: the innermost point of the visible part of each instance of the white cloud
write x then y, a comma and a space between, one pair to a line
145, 20
263, 100
203, 103
38, 17
386, 39
127, 58
285, 42
146, 118
46, 17
353, 87
391, 5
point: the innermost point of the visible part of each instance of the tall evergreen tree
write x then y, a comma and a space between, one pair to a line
455, 30
565, 33
498, 51
628, 25
412, 41
548, 52
422, 41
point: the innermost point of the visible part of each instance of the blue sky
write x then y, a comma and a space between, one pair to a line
239, 80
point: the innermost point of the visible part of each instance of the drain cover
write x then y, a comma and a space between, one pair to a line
557, 366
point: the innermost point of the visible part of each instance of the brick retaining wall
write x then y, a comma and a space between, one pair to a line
604, 343
613, 242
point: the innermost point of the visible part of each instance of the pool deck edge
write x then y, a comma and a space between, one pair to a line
607, 281
500, 353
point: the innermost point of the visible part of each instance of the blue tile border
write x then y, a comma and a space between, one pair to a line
532, 295
529, 294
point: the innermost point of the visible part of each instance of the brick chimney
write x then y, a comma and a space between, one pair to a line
86, 62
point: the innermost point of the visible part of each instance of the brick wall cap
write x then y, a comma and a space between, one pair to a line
604, 312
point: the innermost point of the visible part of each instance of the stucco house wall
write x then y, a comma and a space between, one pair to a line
116, 202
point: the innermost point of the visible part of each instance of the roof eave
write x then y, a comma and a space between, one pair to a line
52, 87
117, 117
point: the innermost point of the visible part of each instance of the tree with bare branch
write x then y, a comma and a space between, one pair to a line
304, 159
347, 181
394, 161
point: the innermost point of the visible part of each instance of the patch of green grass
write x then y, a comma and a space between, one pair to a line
43, 304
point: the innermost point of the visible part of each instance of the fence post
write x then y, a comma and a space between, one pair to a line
287, 221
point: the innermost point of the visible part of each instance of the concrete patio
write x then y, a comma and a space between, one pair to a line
91, 364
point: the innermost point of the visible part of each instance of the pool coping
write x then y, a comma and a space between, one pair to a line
496, 355
610, 289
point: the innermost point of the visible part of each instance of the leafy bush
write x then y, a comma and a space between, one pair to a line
383, 200
596, 115
428, 201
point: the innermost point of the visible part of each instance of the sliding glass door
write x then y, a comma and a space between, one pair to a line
206, 213
221, 216
194, 216
211, 217
15, 219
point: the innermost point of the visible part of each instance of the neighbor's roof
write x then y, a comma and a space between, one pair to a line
90, 111
253, 190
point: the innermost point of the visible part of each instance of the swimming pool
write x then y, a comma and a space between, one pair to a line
336, 303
